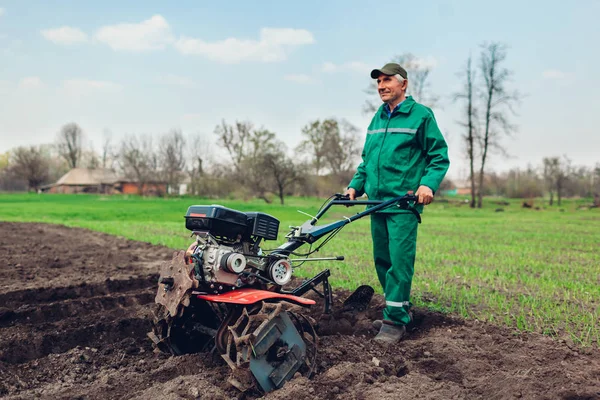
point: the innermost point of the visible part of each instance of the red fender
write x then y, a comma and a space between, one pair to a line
251, 296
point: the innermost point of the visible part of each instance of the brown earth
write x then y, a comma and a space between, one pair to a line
74, 312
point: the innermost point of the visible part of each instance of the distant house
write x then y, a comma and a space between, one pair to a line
105, 181
151, 188
460, 188
465, 190
84, 180
182, 188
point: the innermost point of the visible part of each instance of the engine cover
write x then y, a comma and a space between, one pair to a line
231, 224
218, 220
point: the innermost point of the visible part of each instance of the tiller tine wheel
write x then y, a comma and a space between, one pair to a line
269, 346
175, 283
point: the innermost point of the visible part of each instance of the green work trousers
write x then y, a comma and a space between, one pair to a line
394, 249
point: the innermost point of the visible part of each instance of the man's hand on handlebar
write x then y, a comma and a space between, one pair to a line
351, 193
425, 195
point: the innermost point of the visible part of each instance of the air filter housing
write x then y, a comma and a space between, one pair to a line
262, 225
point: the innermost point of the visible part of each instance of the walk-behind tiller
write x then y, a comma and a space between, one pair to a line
226, 294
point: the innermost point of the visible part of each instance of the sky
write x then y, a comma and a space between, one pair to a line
148, 66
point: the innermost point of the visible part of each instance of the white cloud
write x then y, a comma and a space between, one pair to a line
86, 86
1, 11
176, 80
148, 35
273, 45
286, 36
298, 78
554, 74
352, 66
65, 35
30, 82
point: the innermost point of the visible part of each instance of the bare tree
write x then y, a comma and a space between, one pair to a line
550, 168
595, 180
70, 144
313, 144
470, 114
332, 146
30, 164
107, 157
418, 83
235, 139
90, 159
138, 160
557, 173
261, 142
496, 102
595, 183
4, 159
281, 168
172, 157
565, 169
196, 150
342, 149
247, 148
153, 156
316, 136
262, 146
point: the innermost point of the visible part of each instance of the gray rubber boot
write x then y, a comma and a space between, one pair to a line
378, 322
390, 333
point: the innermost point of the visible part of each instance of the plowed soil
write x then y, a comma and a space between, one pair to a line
75, 309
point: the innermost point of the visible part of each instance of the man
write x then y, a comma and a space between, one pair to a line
404, 152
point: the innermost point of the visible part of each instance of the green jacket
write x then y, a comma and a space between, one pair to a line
401, 152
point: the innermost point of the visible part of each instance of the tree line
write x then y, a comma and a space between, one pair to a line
253, 162
554, 178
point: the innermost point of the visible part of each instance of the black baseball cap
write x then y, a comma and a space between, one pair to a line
389, 69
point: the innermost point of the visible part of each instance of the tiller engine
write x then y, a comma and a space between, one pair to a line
226, 294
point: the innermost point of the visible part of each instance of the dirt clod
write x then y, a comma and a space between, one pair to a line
75, 309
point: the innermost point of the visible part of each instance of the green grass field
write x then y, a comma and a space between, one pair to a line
534, 270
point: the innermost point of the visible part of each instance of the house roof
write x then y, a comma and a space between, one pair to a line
136, 181
85, 176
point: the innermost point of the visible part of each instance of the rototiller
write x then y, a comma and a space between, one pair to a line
226, 294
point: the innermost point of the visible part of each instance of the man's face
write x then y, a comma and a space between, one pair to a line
390, 89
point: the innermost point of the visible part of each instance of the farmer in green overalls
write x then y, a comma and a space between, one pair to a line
404, 152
